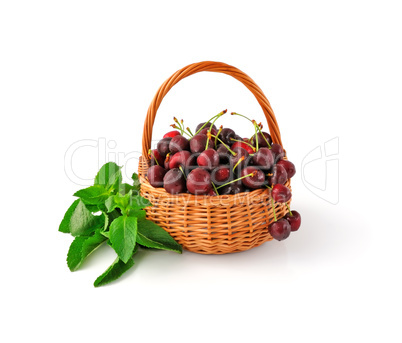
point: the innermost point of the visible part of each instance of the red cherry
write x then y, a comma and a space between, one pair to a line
208, 159
254, 177
294, 220
289, 167
171, 134
277, 175
155, 176
281, 193
199, 182
182, 158
280, 230
156, 158
243, 145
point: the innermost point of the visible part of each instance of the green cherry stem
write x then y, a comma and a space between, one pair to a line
215, 117
215, 189
189, 131
179, 125
290, 212
240, 178
256, 135
217, 135
273, 208
226, 146
150, 153
181, 169
256, 126
238, 162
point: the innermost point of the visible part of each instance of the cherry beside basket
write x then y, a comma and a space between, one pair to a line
211, 224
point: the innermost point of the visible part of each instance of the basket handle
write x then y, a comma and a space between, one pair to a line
217, 67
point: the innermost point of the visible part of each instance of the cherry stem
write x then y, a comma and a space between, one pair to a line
256, 126
188, 129
256, 135
181, 169
150, 153
268, 187
237, 140
263, 136
238, 162
215, 189
179, 127
226, 146
240, 178
212, 124
273, 207
217, 135
213, 118
290, 212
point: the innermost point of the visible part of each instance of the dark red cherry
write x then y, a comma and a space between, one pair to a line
163, 146
221, 175
281, 193
199, 142
226, 135
289, 167
277, 175
208, 159
294, 220
171, 134
277, 152
199, 182
255, 177
156, 158
262, 143
280, 229
155, 176
174, 181
182, 158
263, 158
178, 143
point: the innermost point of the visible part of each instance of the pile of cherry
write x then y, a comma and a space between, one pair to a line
216, 161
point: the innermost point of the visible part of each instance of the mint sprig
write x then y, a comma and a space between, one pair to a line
122, 223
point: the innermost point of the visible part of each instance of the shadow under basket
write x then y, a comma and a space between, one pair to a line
211, 224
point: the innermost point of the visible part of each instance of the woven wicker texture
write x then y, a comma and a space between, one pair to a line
205, 224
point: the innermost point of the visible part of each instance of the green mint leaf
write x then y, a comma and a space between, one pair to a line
74, 256
125, 188
91, 244
81, 221
138, 202
140, 214
153, 236
93, 195
136, 182
123, 234
65, 223
110, 204
81, 248
109, 176
117, 269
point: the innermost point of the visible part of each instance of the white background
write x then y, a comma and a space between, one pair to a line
87, 70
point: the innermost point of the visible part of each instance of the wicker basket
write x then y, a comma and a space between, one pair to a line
211, 224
